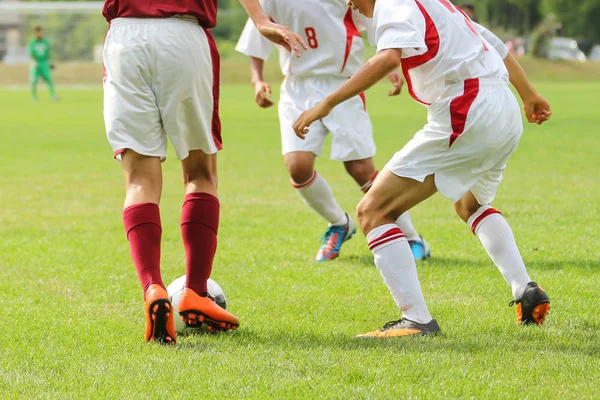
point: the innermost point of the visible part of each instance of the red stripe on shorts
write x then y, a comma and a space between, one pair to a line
460, 106
216, 70
485, 214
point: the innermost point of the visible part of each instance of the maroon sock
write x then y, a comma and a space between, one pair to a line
199, 226
142, 224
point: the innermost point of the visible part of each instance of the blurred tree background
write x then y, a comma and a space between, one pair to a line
579, 19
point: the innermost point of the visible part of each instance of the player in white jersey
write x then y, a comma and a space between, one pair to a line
456, 69
335, 53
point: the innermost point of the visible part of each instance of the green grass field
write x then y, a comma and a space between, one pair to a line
71, 313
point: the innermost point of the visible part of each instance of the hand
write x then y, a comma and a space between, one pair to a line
282, 35
537, 109
316, 113
398, 81
262, 92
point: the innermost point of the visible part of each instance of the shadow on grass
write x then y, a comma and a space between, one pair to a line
447, 262
500, 340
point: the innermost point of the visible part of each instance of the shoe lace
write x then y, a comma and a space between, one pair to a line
391, 324
210, 296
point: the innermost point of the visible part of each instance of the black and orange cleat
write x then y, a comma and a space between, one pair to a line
196, 310
160, 325
404, 327
533, 306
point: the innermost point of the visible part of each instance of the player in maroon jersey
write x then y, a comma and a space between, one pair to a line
162, 81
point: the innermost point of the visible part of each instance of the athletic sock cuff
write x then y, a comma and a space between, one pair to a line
305, 184
365, 188
383, 236
479, 216
201, 208
140, 214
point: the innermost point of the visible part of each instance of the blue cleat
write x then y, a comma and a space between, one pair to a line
420, 249
333, 238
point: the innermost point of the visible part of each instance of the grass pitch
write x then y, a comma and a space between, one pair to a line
71, 317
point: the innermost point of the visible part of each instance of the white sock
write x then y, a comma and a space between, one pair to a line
318, 195
396, 263
498, 240
406, 226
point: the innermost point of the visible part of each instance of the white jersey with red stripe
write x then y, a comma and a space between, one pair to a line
441, 46
329, 27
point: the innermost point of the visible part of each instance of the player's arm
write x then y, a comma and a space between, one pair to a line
278, 34
262, 90
258, 49
377, 68
365, 24
537, 109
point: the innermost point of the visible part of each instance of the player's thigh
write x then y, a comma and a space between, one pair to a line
132, 118
290, 108
351, 130
187, 88
390, 197
45, 73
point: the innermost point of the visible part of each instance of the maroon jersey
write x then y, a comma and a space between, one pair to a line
204, 10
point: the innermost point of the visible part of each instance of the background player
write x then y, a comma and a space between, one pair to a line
474, 124
336, 52
162, 80
39, 50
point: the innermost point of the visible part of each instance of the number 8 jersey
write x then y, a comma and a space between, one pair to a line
331, 31
440, 45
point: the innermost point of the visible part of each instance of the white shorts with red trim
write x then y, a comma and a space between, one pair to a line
349, 123
161, 81
472, 131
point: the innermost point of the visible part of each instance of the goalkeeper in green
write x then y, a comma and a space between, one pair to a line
39, 50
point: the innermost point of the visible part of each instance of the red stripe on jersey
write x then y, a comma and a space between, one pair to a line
392, 234
460, 106
351, 32
432, 41
486, 213
216, 71
363, 97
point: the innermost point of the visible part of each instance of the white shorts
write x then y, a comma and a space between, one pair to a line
161, 81
472, 131
349, 123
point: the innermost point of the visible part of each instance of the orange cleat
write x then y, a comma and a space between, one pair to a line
404, 327
160, 325
198, 309
533, 306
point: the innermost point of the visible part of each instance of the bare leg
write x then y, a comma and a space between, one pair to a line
313, 188
200, 217
390, 197
497, 238
141, 215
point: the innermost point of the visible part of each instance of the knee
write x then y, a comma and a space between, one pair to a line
299, 171
361, 171
366, 215
465, 209
200, 176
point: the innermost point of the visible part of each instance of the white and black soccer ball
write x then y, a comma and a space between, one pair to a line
175, 289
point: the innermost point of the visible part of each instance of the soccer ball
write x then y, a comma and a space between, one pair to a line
175, 289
